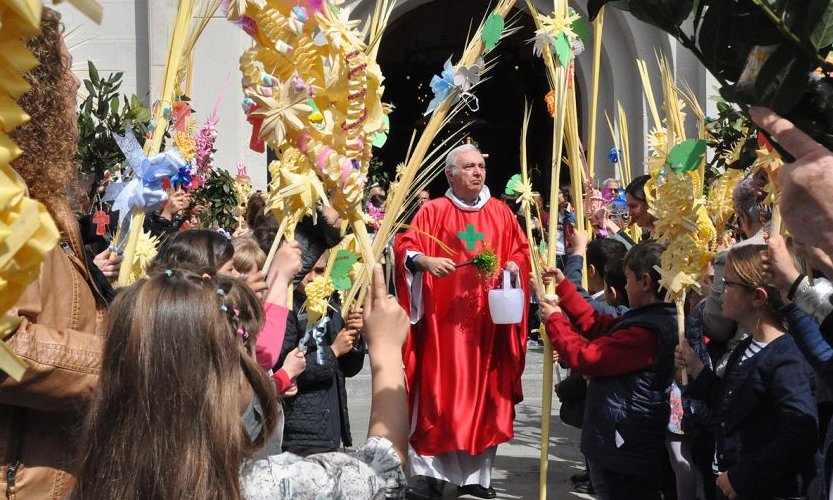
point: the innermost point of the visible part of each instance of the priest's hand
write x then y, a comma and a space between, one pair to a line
512, 268
436, 266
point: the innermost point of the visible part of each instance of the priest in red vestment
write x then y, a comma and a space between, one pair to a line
463, 372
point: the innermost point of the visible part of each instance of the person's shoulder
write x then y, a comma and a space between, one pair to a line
436, 204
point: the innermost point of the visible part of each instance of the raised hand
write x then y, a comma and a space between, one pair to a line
385, 322
805, 184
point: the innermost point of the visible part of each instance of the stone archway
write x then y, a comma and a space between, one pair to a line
440, 26
420, 38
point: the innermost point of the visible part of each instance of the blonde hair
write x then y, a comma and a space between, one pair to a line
248, 256
747, 263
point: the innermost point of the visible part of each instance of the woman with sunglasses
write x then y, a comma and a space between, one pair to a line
765, 411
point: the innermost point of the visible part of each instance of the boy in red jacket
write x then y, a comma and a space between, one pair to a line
630, 360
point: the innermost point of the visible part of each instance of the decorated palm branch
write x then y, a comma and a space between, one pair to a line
556, 37
452, 92
313, 93
144, 190
675, 195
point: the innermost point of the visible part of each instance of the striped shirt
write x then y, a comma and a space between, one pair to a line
753, 349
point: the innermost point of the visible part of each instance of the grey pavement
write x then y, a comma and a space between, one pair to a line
515, 474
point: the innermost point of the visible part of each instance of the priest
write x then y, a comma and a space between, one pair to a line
463, 372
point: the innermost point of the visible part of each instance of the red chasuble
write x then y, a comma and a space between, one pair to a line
463, 372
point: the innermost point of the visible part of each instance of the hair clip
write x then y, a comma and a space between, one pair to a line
243, 334
169, 272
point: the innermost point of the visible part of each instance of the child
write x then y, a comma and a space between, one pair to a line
207, 252
317, 420
248, 256
630, 362
176, 377
598, 253
615, 284
767, 427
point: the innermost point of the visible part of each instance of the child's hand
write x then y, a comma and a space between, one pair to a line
345, 340
286, 265
257, 282
548, 273
685, 359
579, 240
549, 306
385, 322
295, 363
354, 320
293, 390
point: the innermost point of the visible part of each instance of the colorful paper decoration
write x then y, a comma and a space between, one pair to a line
492, 30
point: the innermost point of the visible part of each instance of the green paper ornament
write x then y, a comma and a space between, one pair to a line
686, 156
340, 273
492, 29
513, 184
581, 29
381, 137
563, 49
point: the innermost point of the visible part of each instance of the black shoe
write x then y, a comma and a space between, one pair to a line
586, 487
476, 490
425, 488
581, 477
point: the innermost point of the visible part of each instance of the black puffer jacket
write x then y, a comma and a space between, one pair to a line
316, 419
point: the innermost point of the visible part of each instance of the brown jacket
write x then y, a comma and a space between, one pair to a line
61, 339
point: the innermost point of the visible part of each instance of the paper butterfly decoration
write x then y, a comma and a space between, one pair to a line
340, 274
467, 77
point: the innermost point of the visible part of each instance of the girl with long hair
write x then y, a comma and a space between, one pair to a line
177, 376
765, 411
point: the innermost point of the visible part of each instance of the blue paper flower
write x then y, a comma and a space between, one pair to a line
614, 155
182, 177
442, 85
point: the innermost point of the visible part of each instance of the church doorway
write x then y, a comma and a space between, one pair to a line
414, 48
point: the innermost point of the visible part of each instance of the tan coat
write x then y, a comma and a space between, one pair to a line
61, 338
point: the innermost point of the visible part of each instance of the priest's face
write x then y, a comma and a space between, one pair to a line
468, 176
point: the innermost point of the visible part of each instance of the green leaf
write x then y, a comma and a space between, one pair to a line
687, 155
822, 34
492, 29
93, 73
581, 29
563, 49
114, 104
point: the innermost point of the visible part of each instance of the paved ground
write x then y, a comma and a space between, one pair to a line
515, 474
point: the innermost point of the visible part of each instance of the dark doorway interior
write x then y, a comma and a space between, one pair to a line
415, 47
